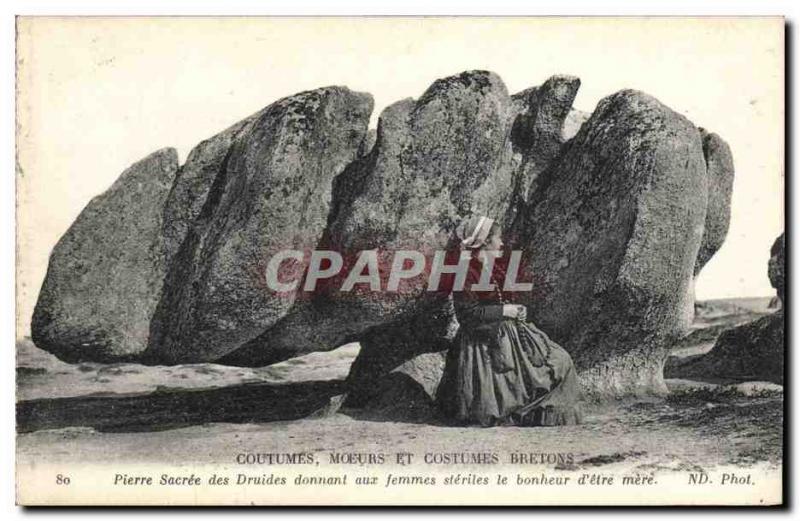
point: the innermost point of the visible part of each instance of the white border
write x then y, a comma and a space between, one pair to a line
787, 8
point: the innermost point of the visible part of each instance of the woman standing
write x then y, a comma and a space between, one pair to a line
502, 370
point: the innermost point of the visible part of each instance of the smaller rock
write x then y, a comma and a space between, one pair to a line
539, 126
406, 393
751, 352
413, 352
615, 223
538, 131
776, 265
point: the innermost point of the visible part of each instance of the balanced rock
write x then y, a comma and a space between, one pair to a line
613, 231
106, 273
616, 215
266, 185
538, 129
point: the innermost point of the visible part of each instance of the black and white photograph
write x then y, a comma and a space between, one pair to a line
413, 261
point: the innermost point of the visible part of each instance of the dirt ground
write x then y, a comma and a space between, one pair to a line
701, 425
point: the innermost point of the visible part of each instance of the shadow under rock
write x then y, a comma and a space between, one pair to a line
172, 408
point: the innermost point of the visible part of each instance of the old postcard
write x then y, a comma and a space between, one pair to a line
400, 261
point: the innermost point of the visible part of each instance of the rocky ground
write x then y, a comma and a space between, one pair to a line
203, 413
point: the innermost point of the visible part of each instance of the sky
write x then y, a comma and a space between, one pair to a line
97, 94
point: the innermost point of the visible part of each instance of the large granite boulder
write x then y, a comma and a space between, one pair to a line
613, 230
443, 156
538, 132
106, 273
402, 358
262, 186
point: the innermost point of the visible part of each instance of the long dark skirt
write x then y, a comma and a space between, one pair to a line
542, 388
